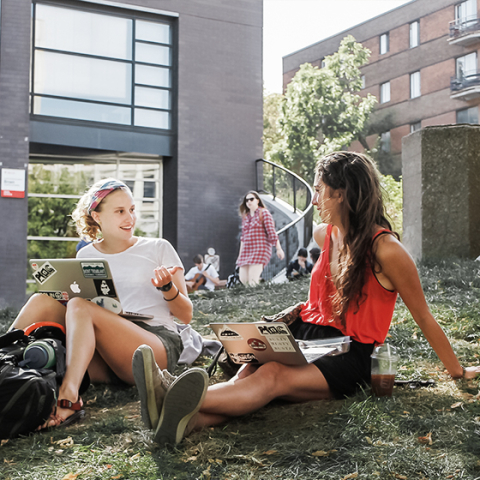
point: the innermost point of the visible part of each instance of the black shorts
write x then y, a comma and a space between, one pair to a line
345, 373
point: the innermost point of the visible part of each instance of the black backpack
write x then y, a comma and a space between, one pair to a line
28, 395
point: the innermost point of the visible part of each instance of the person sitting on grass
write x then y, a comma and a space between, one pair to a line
300, 267
314, 254
149, 279
201, 276
353, 290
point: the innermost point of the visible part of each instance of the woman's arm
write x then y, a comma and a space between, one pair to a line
177, 297
400, 270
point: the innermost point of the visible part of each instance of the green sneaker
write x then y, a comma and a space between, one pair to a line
182, 401
152, 384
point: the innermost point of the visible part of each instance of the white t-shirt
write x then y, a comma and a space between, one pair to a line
132, 271
211, 271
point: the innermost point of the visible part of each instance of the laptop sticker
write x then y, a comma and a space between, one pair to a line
256, 344
243, 357
105, 288
44, 273
94, 270
34, 266
60, 296
227, 333
277, 337
109, 303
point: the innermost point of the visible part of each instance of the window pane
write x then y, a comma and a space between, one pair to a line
415, 126
385, 92
152, 32
468, 115
415, 85
94, 112
83, 32
155, 76
82, 77
385, 141
384, 43
152, 118
152, 97
414, 34
467, 65
148, 53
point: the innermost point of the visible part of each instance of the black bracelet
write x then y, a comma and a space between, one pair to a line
166, 287
171, 299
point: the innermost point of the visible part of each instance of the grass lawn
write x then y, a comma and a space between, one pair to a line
424, 433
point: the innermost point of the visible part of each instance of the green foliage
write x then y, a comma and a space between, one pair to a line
393, 198
321, 111
50, 216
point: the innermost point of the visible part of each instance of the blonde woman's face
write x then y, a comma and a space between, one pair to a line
117, 216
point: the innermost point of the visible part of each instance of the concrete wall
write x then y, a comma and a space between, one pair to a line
441, 174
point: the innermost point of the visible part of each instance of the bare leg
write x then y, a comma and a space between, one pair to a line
91, 329
40, 308
249, 393
250, 274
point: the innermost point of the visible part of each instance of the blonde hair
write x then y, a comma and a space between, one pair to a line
87, 228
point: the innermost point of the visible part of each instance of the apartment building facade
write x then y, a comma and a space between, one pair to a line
423, 69
166, 96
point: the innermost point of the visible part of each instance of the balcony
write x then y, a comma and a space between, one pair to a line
464, 31
465, 87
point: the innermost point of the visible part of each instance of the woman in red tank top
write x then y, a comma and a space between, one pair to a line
353, 290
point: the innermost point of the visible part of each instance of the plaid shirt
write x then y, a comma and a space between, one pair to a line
257, 238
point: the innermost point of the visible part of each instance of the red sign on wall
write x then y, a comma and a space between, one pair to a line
13, 183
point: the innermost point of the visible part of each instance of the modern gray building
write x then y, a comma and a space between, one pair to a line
165, 95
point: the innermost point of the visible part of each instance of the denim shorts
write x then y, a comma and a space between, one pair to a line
171, 341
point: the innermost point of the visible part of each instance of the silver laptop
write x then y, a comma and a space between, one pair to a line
263, 342
88, 278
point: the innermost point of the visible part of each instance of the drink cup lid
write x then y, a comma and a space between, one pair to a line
385, 351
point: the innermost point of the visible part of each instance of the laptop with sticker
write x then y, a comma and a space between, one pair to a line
88, 278
263, 342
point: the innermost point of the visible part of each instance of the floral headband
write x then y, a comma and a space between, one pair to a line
105, 189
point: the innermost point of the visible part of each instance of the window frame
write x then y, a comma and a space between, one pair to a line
386, 140
166, 111
413, 92
415, 36
383, 90
414, 127
468, 109
385, 35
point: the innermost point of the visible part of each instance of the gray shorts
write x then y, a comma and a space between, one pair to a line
171, 341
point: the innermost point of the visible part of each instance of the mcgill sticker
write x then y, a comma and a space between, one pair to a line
44, 273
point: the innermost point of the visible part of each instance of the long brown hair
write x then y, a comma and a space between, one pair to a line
357, 176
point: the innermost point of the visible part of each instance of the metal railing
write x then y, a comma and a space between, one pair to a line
467, 80
463, 26
294, 193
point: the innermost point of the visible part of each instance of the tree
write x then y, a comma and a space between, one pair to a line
321, 111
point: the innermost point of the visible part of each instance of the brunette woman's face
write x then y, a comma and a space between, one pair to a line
326, 200
117, 216
251, 201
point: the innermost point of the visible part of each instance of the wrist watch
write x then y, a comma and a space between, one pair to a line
166, 287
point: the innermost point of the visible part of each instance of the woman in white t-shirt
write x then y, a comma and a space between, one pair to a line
149, 278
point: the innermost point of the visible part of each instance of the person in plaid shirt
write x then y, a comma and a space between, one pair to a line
257, 239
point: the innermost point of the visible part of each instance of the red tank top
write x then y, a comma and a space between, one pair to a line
368, 323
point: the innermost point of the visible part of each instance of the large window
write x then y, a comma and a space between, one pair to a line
466, 65
415, 90
384, 43
385, 142
101, 68
385, 92
414, 34
468, 115
466, 12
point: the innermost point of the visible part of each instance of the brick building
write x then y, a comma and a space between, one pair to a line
164, 95
423, 69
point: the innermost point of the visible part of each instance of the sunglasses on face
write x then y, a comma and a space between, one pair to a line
250, 199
